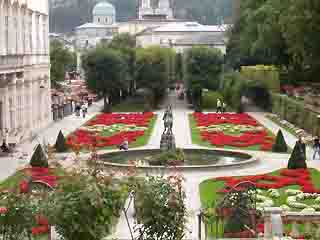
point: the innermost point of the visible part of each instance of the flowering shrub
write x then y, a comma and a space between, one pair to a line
93, 132
243, 131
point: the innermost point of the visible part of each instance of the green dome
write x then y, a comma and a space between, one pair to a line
104, 9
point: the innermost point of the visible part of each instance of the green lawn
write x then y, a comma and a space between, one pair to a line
210, 196
196, 138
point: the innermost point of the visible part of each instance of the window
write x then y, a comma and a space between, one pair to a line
98, 19
106, 20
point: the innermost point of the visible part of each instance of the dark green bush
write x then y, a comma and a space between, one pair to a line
280, 144
61, 143
39, 158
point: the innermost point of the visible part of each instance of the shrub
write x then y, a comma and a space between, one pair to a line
61, 143
167, 158
280, 144
39, 158
298, 157
209, 99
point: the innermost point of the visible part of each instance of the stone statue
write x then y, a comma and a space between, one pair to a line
168, 120
167, 138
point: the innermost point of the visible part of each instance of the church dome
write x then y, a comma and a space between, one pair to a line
104, 8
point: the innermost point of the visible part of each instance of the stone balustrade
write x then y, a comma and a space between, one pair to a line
302, 223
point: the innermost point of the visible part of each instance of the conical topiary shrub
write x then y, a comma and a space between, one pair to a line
60, 143
280, 145
39, 159
298, 157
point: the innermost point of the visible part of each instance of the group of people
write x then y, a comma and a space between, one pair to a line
221, 106
78, 108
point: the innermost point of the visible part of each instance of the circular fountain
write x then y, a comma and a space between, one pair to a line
168, 157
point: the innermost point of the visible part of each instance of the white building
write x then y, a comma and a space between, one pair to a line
182, 35
102, 28
25, 102
147, 17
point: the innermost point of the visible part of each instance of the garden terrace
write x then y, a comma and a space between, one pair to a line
109, 130
230, 130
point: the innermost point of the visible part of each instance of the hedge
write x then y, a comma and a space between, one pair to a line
294, 112
267, 75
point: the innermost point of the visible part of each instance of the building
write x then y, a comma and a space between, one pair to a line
183, 35
25, 103
149, 17
102, 28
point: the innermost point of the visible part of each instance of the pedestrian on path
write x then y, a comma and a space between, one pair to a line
224, 107
219, 106
78, 110
84, 110
316, 147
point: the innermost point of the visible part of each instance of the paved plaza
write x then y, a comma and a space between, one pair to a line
267, 161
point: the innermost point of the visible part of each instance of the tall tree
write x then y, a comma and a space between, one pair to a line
153, 70
62, 60
104, 68
203, 66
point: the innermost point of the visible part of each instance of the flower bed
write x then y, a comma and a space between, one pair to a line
107, 130
232, 130
292, 190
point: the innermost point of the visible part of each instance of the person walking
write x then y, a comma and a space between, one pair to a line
219, 106
224, 107
78, 108
84, 110
316, 147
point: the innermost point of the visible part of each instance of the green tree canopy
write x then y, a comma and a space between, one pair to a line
153, 67
105, 69
62, 60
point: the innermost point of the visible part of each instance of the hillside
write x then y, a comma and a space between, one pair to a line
67, 14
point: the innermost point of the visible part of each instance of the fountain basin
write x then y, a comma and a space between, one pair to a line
201, 159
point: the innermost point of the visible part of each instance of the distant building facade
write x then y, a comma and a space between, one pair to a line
25, 103
101, 29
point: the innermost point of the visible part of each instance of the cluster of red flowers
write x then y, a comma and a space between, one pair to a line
107, 119
43, 226
83, 137
250, 138
38, 174
300, 177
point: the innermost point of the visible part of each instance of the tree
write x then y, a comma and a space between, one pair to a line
298, 156
203, 67
39, 158
62, 60
152, 71
104, 68
126, 44
61, 143
280, 144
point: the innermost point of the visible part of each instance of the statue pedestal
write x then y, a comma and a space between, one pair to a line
167, 142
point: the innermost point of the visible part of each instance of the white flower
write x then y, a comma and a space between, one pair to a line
308, 210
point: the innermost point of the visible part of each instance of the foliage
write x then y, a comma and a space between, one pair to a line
61, 60
280, 144
18, 216
209, 99
85, 206
153, 67
168, 158
298, 157
61, 143
282, 33
105, 68
160, 207
39, 158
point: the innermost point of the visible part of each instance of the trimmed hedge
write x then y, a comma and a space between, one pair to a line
294, 112
280, 145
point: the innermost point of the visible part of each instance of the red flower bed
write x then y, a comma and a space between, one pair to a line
300, 177
83, 137
219, 139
